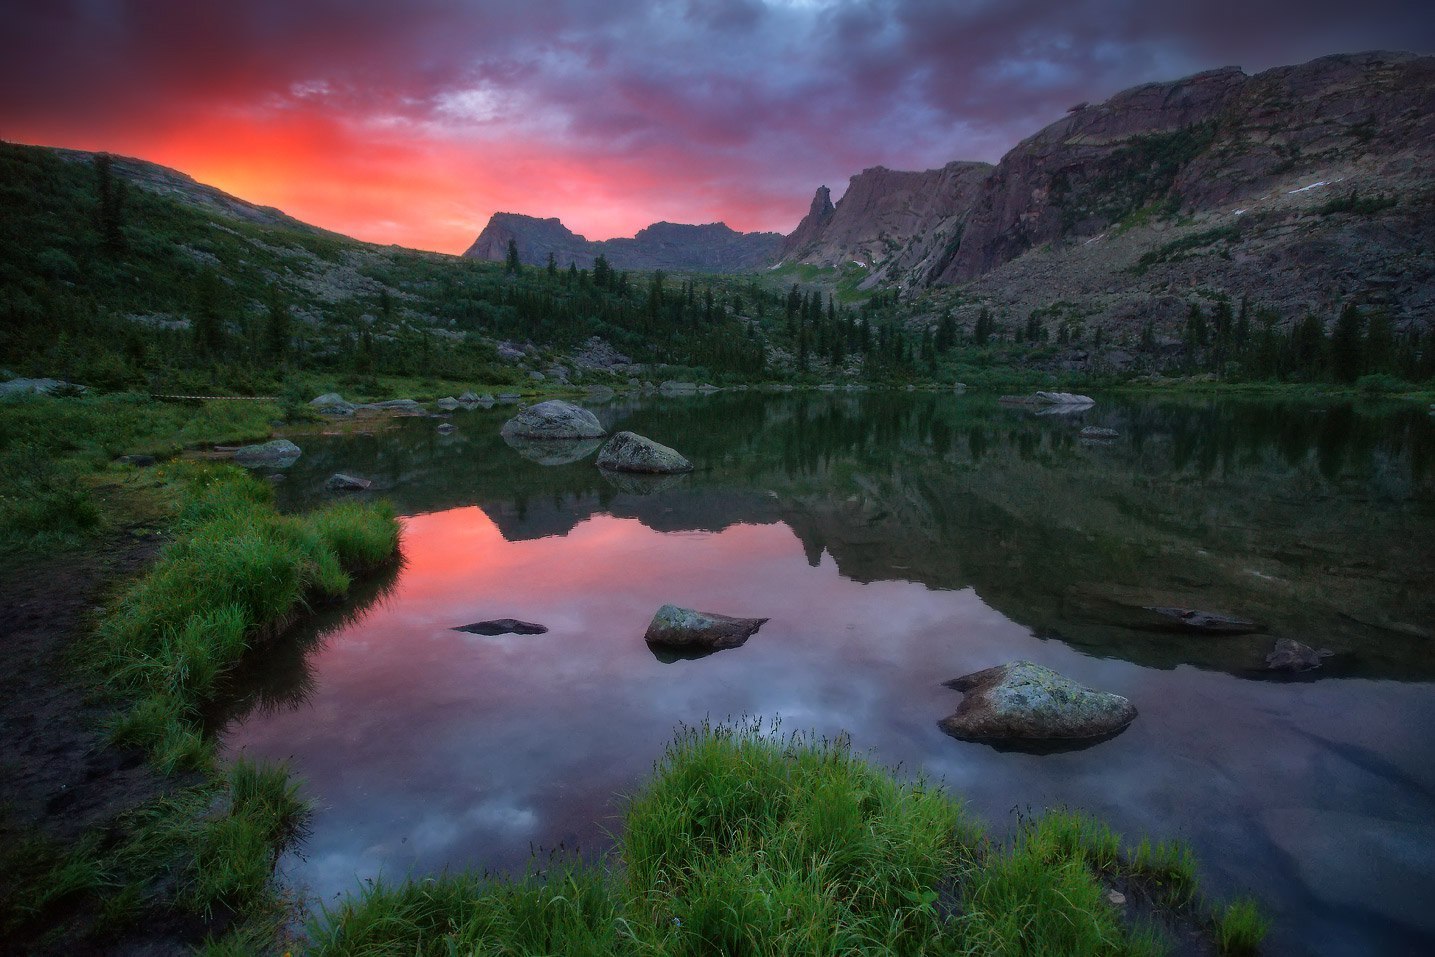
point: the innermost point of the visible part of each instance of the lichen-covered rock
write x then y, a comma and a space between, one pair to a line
554, 419
1024, 701
1291, 655
332, 403
687, 630
280, 453
630, 452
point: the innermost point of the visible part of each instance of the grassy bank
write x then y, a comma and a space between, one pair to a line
745, 843
197, 859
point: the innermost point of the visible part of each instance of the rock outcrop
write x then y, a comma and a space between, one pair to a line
1023, 701
630, 452
900, 225
1290, 655
683, 629
342, 482
332, 403
712, 247
552, 420
1203, 622
279, 453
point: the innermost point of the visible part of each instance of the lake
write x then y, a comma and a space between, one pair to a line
895, 541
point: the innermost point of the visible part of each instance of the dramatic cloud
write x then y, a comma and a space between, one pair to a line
412, 122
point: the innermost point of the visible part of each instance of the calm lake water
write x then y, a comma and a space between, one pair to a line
895, 541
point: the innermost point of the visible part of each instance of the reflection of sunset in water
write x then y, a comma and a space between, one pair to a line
885, 571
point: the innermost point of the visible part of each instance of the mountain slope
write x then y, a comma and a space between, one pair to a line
1300, 188
713, 247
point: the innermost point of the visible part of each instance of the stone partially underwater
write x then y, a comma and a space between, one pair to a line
688, 631
554, 419
1027, 705
630, 452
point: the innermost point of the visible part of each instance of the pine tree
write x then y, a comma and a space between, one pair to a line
1379, 352
552, 265
1346, 361
277, 328
946, 333
511, 264
111, 207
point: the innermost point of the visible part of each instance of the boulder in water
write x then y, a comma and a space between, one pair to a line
688, 630
554, 419
503, 626
448, 403
280, 453
339, 482
1204, 622
1293, 656
1023, 701
1098, 433
630, 452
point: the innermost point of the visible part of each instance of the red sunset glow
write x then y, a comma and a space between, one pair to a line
412, 123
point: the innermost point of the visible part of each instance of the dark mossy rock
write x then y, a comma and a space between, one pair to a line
280, 453
1293, 656
688, 630
503, 626
339, 482
1204, 622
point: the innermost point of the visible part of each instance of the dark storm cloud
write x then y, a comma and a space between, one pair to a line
736, 104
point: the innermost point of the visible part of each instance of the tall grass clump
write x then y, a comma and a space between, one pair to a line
1241, 928
235, 575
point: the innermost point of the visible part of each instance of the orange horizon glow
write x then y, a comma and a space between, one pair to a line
429, 194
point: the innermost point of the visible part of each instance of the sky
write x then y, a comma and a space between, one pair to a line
412, 122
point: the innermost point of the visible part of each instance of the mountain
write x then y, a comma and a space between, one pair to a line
893, 221
1300, 187
713, 247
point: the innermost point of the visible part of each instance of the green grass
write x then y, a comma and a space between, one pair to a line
1241, 928
746, 842
237, 572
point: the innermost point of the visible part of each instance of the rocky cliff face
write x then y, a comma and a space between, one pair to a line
897, 223
1200, 144
1298, 188
712, 247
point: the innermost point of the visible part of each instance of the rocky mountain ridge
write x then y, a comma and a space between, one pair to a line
711, 247
1298, 187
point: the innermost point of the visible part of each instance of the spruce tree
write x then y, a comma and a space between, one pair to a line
1346, 360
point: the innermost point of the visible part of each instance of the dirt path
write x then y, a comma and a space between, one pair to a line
59, 776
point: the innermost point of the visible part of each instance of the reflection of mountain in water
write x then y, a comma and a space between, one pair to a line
1315, 521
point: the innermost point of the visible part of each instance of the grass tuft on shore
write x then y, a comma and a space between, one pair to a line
237, 572
747, 842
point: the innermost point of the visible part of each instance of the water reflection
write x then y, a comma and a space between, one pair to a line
895, 542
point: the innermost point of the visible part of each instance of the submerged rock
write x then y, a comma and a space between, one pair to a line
1049, 399
503, 626
630, 452
446, 427
280, 453
332, 403
554, 419
1205, 622
1097, 432
688, 630
672, 385
339, 482
1291, 655
39, 387
1024, 701
552, 451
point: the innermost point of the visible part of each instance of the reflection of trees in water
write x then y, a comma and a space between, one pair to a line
278, 675
1182, 506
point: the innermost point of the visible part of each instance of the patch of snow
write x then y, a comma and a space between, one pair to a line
1304, 188
1094, 239
859, 262
1239, 212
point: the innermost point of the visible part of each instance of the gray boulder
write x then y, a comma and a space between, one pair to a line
396, 405
554, 419
280, 453
1024, 701
1293, 656
339, 482
470, 398
687, 630
1098, 433
38, 387
671, 385
447, 428
629, 452
332, 403
448, 403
